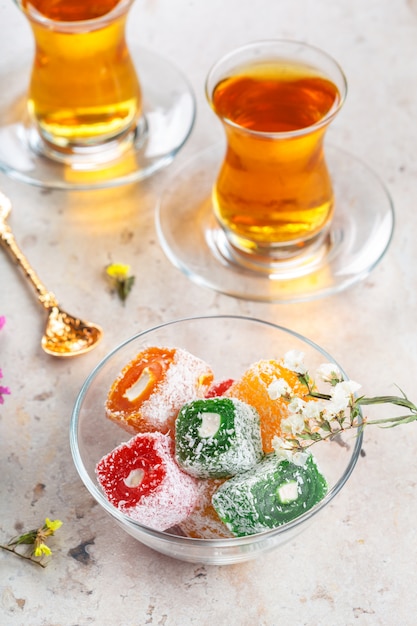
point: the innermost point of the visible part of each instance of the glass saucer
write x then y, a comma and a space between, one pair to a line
359, 235
169, 114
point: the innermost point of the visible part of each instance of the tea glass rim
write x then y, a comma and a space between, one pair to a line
293, 43
75, 25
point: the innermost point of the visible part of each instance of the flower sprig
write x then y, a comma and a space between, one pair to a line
35, 542
121, 279
319, 416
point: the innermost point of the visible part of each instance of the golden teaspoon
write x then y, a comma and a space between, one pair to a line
64, 335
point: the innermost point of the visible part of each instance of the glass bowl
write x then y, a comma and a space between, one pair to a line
229, 344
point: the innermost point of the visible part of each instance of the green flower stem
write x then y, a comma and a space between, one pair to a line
397, 400
402, 401
22, 556
27, 538
390, 422
319, 396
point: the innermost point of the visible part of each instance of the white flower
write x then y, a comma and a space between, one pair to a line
341, 395
278, 388
313, 409
300, 458
284, 452
278, 443
296, 405
282, 447
332, 409
294, 361
293, 424
328, 372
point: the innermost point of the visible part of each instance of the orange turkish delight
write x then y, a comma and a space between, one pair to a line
203, 521
252, 388
151, 389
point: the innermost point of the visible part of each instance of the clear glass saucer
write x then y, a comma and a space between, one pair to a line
359, 235
169, 115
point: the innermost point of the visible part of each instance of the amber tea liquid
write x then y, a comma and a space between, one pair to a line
273, 188
84, 89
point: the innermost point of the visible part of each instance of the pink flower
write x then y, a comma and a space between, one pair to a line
3, 390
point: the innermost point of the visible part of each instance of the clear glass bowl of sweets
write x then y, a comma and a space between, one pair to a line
177, 434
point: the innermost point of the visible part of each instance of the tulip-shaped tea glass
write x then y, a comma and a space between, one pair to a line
273, 196
268, 219
90, 117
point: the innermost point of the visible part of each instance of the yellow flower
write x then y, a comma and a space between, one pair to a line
122, 282
36, 539
53, 525
41, 550
119, 271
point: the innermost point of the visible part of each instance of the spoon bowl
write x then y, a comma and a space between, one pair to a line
66, 335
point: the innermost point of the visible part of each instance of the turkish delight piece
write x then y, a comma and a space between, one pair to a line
217, 437
252, 387
270, 494
203, 521
219, 388
151, 389
142, 479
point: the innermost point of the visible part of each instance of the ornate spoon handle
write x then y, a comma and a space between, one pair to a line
46, 297
65, 335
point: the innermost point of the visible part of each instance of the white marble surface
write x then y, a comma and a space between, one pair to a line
356, 566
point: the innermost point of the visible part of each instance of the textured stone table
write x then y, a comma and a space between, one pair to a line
357, 565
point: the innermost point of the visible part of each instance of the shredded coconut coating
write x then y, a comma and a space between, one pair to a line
181, 384
169, 500
251, 502
203, 521
252, 387
186, 378
235, 447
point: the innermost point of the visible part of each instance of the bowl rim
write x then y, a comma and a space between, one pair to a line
234, 542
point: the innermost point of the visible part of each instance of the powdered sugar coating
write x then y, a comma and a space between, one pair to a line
166, 496
184, 377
